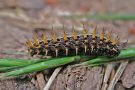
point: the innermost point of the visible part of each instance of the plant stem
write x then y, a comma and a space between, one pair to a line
41, 66
8, 62
105, 16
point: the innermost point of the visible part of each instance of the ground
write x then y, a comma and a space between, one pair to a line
19, 19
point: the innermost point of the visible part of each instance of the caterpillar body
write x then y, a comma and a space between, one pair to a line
85, 44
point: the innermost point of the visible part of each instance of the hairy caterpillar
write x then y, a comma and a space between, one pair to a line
88, 44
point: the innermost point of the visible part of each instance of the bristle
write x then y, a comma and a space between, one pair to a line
37, 52
102, 34
114, 41
85, 31
66, 51
92, 48
44, 38
29, 44
109, 37
86, 41
64, 34
76, 50
85, 48
54, 35
100, 42
94, 34
74, 34
36, 41
118, 40
114, 49
107, 47
93, 41
56, 52
46, 52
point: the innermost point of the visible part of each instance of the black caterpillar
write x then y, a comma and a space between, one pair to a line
85, 44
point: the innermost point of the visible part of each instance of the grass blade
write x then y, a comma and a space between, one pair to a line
41, 66
8, 62
104, 16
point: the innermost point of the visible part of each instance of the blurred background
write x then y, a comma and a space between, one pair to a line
19, 19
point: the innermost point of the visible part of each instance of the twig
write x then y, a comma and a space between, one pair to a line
108, 71
41, 80
117, 75
50, 81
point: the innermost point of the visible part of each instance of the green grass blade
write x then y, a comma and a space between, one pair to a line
41, 66
7, 62
10, 63
104, 16
5, 69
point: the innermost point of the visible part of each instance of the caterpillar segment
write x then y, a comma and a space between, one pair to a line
85, 44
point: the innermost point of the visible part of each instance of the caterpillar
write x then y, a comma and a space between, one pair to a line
85, 44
